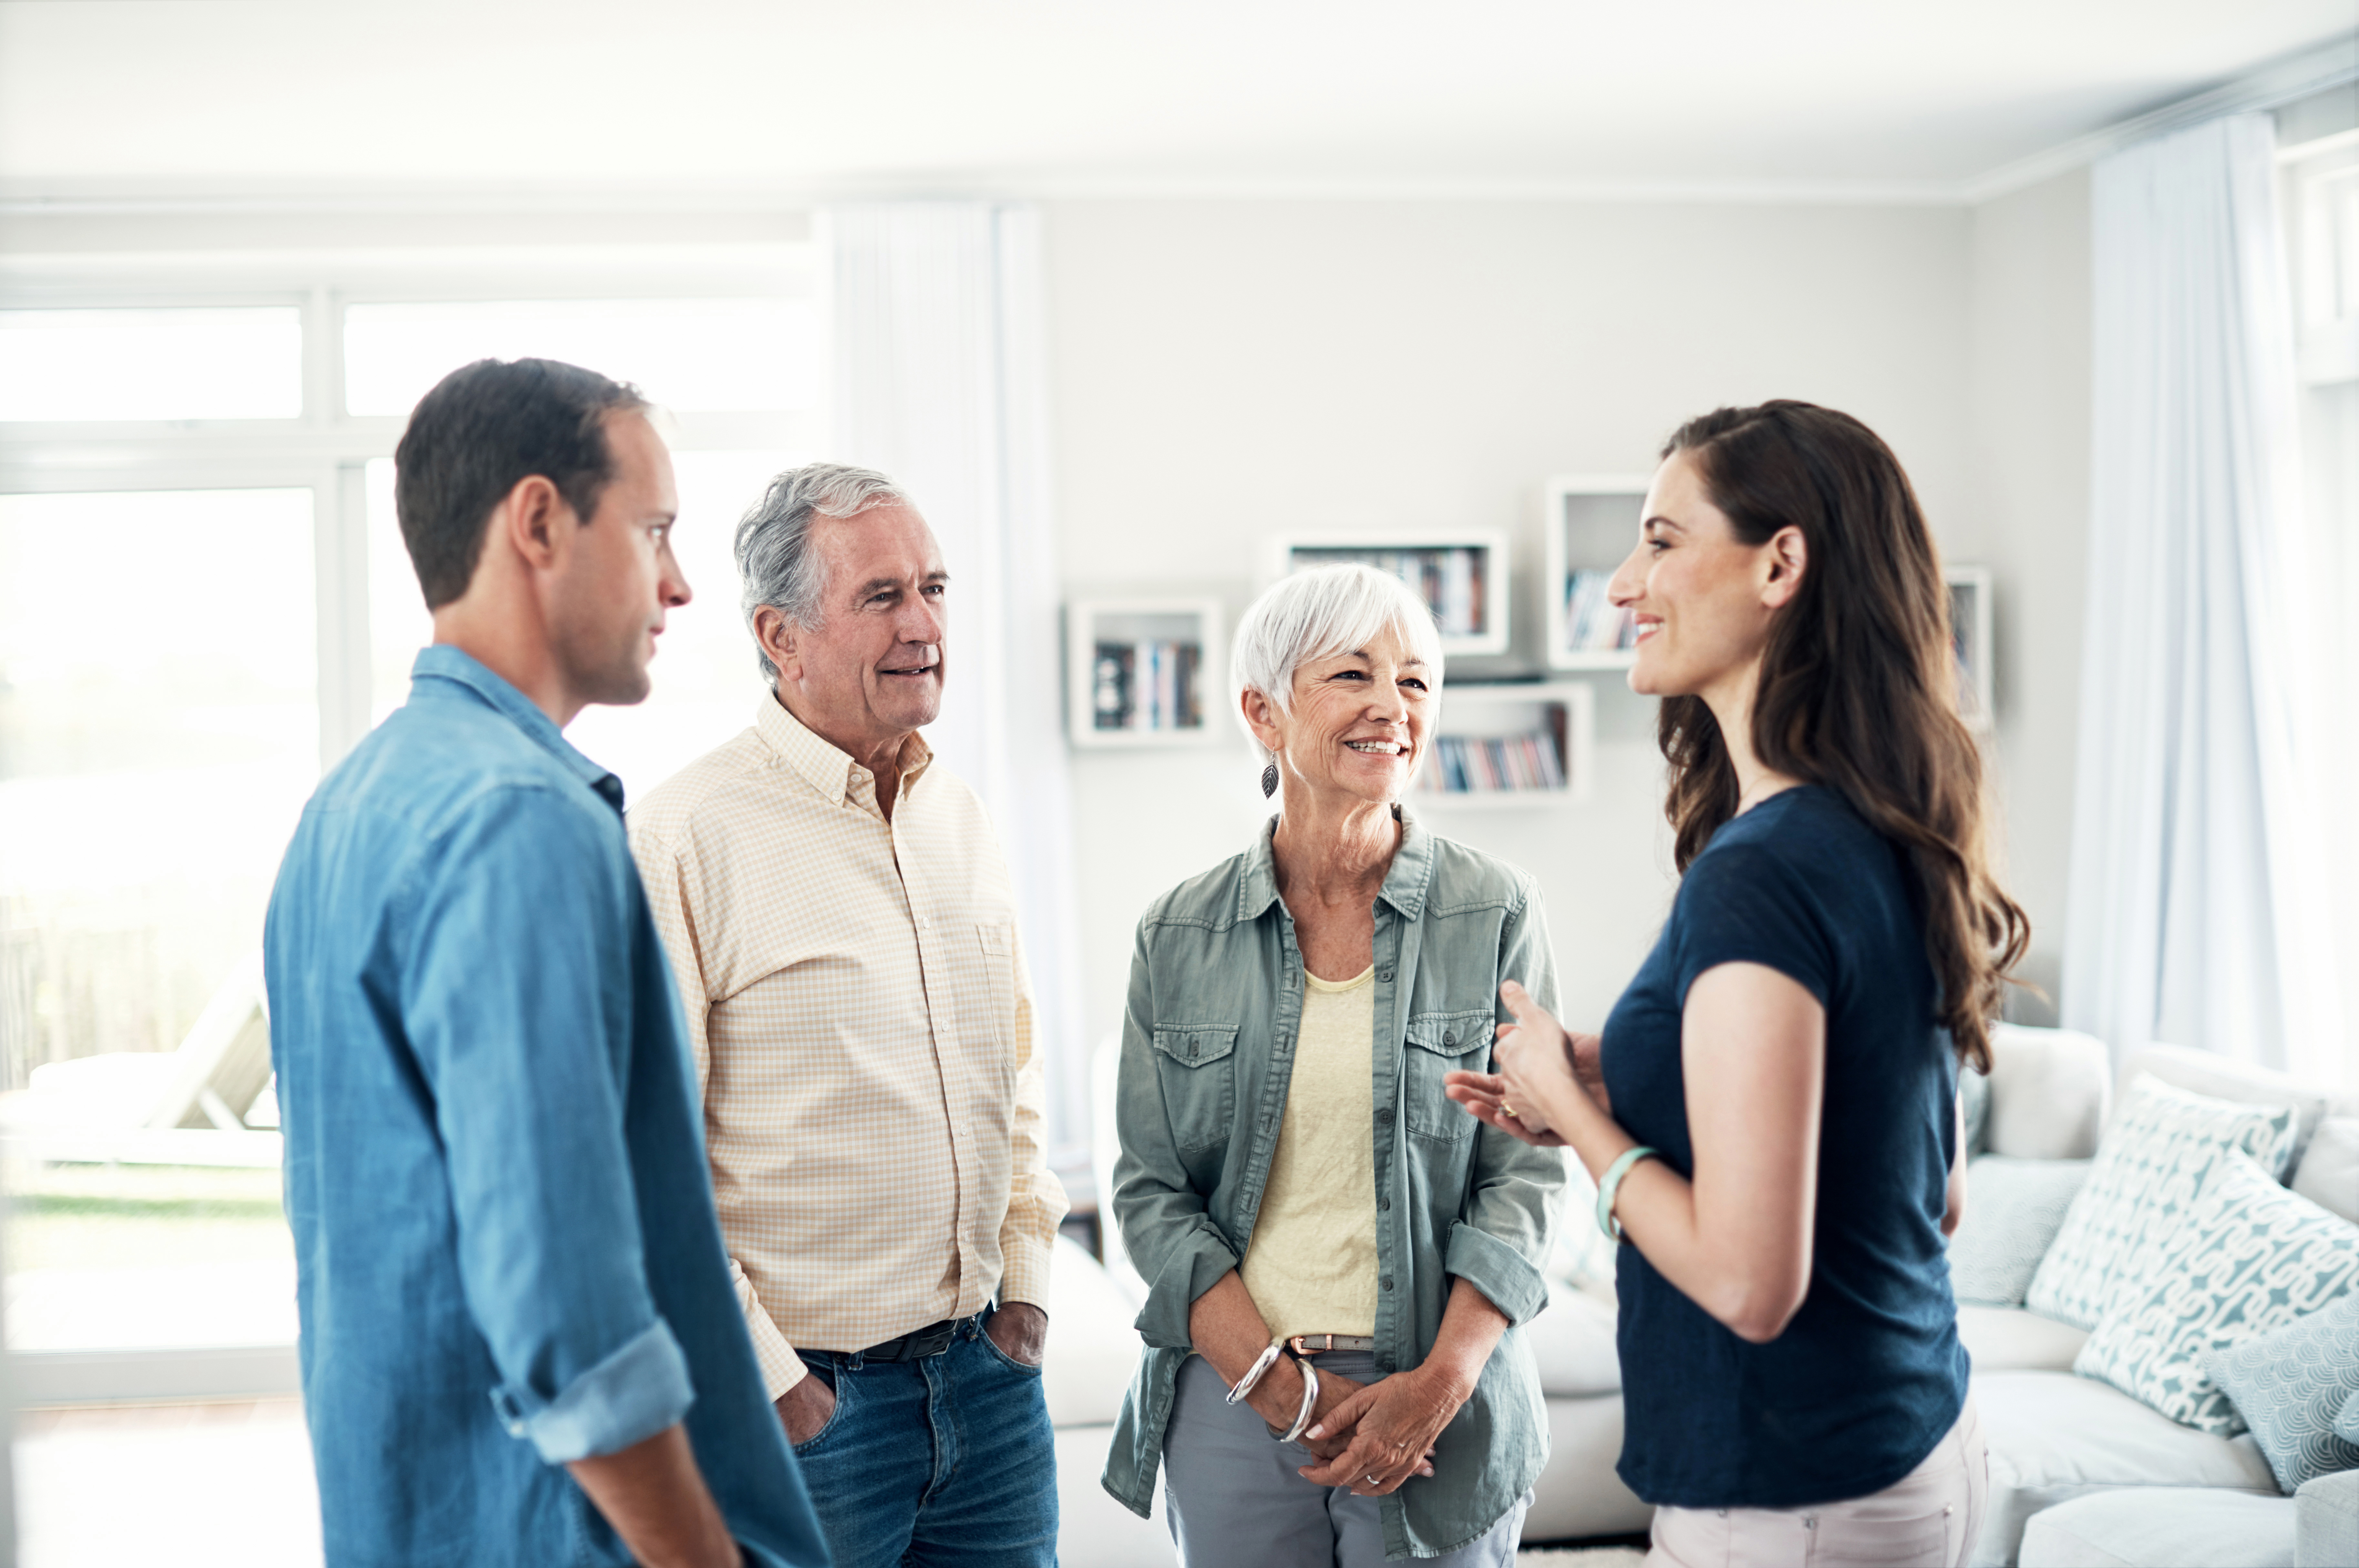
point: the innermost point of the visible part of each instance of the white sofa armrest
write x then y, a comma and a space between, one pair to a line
2326, 1521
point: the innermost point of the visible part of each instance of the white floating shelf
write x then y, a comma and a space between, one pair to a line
1461, 573
1588, 522
1564, 712
1143, 672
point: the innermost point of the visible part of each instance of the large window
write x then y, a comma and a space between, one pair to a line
2321, 209
204, 602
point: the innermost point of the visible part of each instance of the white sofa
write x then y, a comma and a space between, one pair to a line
2082, 1475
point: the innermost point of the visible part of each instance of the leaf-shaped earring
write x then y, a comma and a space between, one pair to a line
1269, 780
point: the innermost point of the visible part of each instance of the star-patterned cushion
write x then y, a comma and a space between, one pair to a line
2248, 1257
2151, 1166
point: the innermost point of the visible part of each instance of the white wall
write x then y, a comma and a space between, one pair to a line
1227, 370
2030, 372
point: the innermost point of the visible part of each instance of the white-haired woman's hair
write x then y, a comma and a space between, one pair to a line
1317, 614
776, 563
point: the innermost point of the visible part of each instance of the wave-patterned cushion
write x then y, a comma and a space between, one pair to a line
2014, 1209
2289, 1384
2150, 1167
2346, 1425
2249, 1257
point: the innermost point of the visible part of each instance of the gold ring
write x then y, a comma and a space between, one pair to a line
1511, 1111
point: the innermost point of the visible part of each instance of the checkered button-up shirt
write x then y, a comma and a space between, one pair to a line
862, 1026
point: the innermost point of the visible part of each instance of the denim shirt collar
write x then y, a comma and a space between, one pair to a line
1405, 883
439, 661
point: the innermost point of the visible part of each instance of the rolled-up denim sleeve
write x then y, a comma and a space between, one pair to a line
1500, 1243
1172, 1241
518, 1018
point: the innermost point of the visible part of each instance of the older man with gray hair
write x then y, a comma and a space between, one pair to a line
842, 928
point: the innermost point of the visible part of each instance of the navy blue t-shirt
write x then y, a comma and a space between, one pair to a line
1869, 1375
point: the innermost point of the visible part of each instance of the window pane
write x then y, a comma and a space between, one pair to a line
706, 682
691, 355
152, 364
159, 735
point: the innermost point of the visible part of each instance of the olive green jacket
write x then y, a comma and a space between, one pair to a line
1207, 1051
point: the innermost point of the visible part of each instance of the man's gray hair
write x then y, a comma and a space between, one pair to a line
776, 563
1318, 614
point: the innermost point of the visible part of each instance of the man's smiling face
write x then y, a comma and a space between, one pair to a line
872, 670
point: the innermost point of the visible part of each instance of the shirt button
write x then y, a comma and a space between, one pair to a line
1385, 1204
1385, 975
1386, 1282
1448, 1037
1384, 1363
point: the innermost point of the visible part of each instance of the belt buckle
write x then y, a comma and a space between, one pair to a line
932, 1341
1303, 1346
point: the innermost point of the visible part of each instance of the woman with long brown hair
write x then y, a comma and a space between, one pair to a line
1771, 1112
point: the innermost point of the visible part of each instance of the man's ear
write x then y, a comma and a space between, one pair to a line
538, 523
778, 638
1789, 559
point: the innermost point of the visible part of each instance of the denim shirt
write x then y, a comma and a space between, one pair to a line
507, 1251
1207, 1054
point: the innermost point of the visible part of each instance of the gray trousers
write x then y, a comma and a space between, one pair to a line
1233, 1499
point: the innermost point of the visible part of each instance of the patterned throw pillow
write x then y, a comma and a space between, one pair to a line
2248, 1257
2150, 1165
2014, 1209
2289, 1383
2346, 1425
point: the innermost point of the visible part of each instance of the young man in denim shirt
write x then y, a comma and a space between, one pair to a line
508, 1257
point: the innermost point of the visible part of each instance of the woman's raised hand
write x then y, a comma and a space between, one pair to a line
1539, 1066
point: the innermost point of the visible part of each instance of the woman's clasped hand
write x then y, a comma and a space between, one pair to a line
1382, 1434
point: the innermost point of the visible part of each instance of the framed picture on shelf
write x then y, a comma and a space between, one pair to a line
1523, 743
1588, 524
1462, 574
1969, 636
1143, 672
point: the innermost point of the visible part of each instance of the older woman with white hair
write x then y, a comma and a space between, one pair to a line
1338, 1260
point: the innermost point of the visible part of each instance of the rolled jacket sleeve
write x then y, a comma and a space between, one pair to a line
1500, 1240
526, 1058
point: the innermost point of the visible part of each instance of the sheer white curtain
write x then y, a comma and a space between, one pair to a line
939, 382
2195, 899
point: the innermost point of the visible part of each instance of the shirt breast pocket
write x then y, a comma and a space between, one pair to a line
1439, 1043
1196, 1065
996, 941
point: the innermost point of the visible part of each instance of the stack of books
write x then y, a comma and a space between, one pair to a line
1591, 624
1465, 764
1147, 687
1449, 578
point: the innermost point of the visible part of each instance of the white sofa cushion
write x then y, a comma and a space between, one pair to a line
2054, 1437
2163, 1527
2014, 1209
2148, 1172
2012, 1339
1573, 1344
2329, 1172
1578, 1493
2246, 1258
1093, 1529
2049, 1090
2326, 1522
1092, 1348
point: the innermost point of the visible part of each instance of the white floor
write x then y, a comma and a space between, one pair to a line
229, 1486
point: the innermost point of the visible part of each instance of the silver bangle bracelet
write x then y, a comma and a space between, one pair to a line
1309, 1399
1252, 1380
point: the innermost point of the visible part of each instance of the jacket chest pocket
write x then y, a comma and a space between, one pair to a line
1196, 1065
1440, 1043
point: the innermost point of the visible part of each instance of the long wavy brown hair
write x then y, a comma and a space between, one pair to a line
1858, 685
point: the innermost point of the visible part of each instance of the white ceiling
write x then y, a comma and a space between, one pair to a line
1048, 95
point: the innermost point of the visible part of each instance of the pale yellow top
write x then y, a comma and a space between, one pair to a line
1311, 1267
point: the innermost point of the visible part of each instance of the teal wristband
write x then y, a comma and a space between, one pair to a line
1611, 1183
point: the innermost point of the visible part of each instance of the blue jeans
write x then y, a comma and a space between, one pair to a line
945, 1462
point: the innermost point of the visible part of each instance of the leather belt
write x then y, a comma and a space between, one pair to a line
930, 1340
1314, 1344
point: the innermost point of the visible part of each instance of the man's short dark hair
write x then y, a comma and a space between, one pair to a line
485, 429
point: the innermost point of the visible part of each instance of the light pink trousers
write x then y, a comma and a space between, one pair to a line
1928, 1519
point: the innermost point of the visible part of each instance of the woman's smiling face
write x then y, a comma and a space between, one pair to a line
1702, 598
1359, 722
